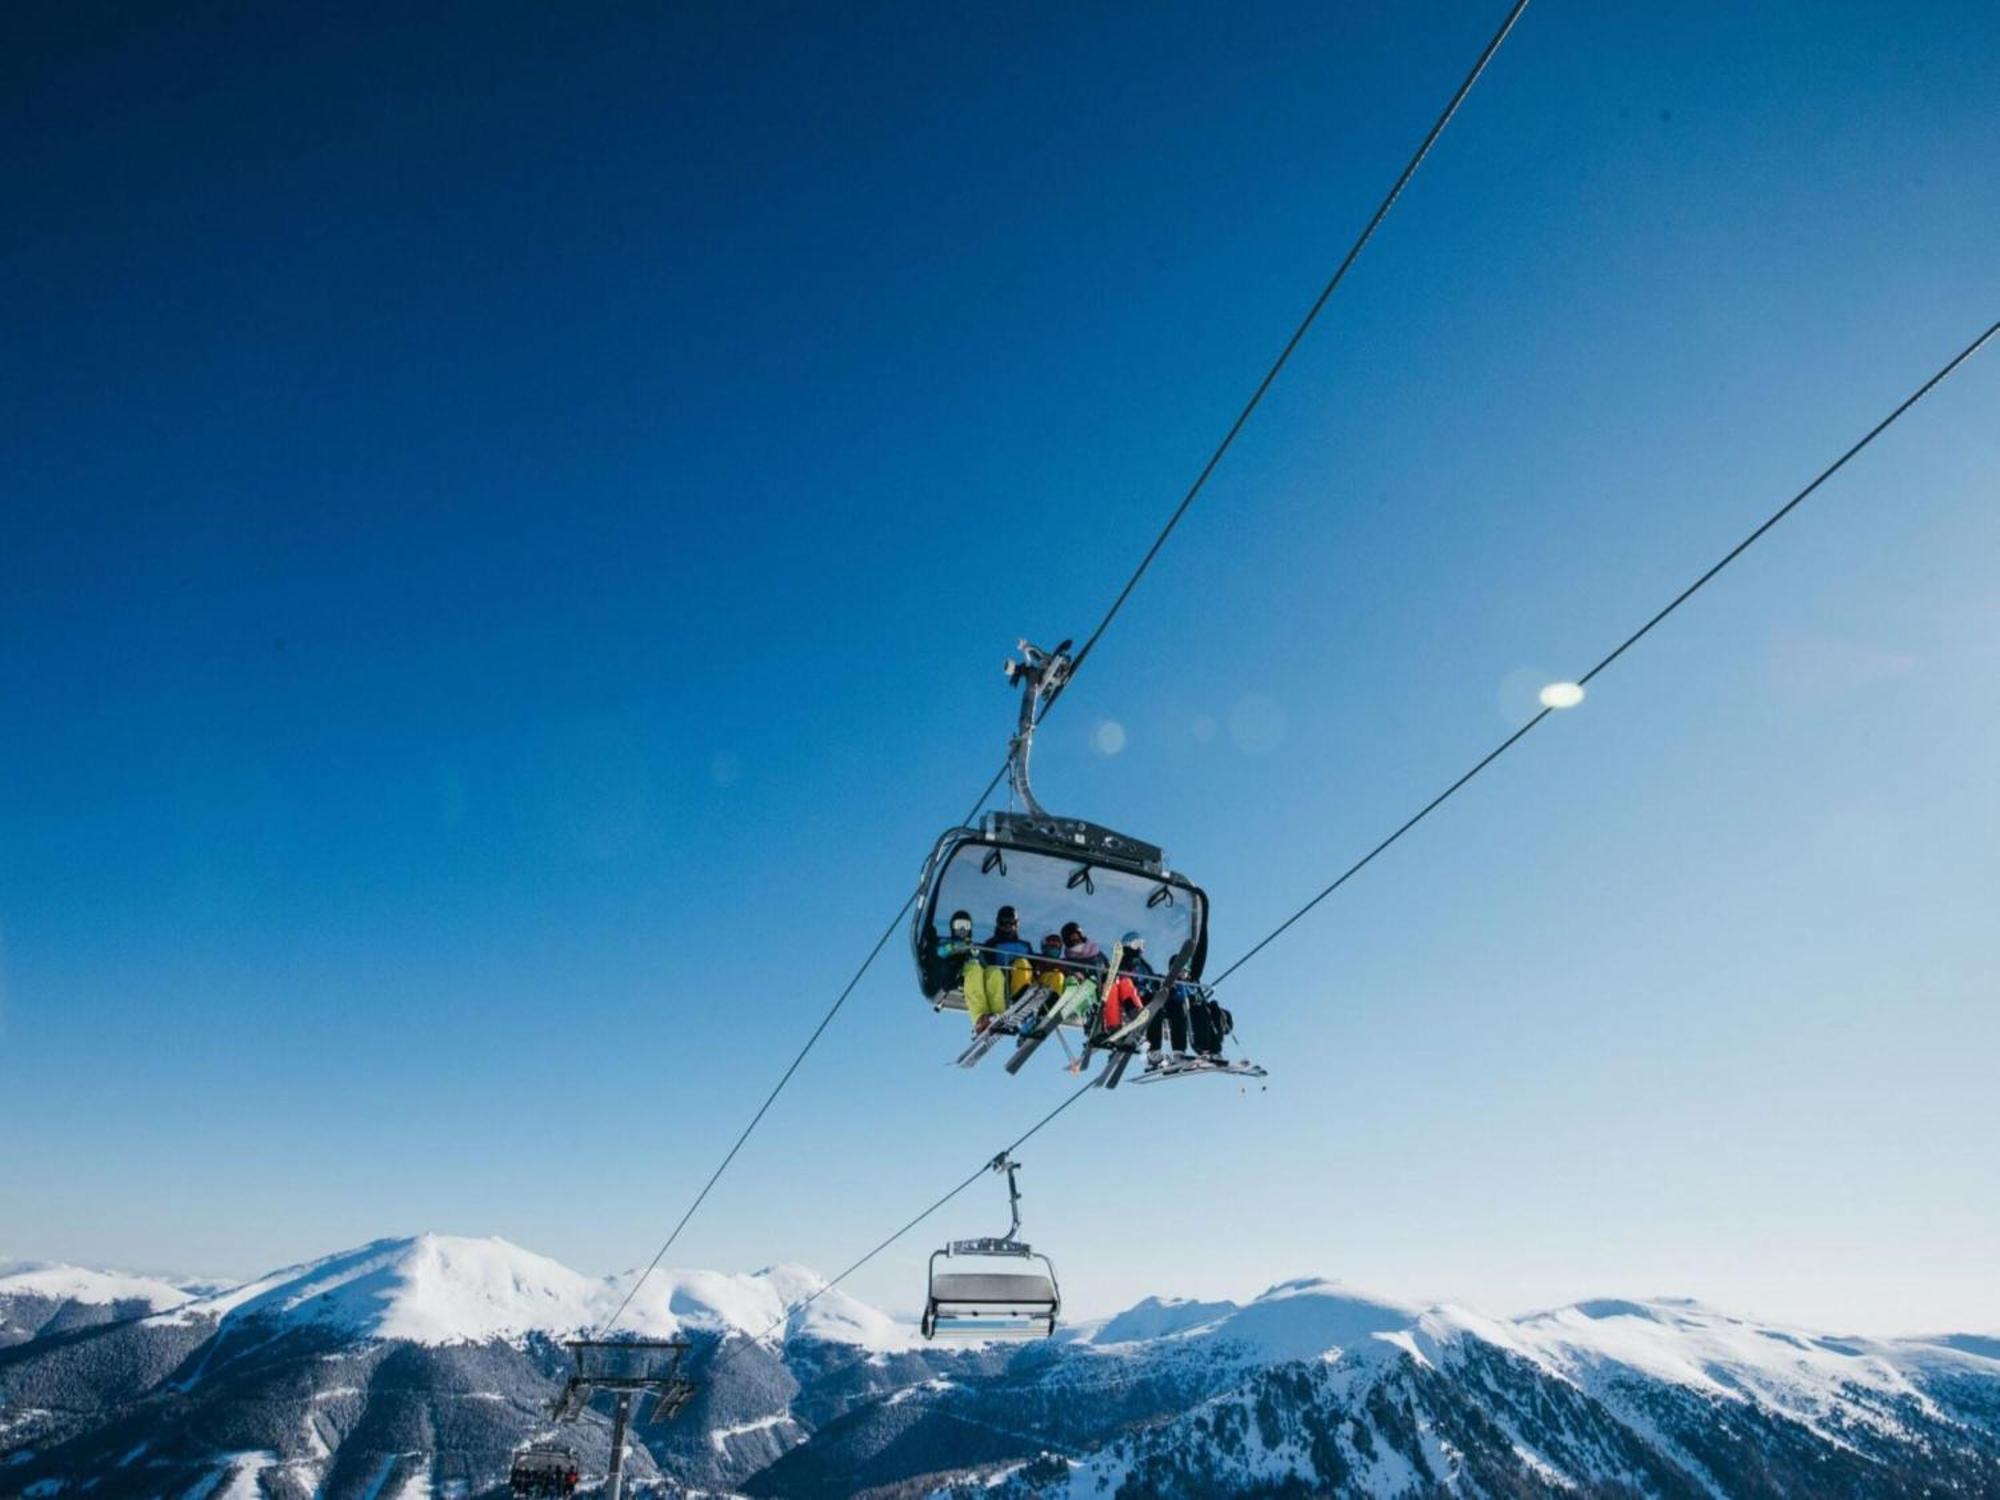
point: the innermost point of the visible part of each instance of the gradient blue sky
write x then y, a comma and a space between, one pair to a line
513, 520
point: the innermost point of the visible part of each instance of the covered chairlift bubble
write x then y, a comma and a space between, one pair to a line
1051, 871
993, 1304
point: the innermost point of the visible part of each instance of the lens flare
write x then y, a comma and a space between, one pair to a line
1562, 695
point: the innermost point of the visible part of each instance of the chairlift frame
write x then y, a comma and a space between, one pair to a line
1003, 1305
1090, 847
627, 1369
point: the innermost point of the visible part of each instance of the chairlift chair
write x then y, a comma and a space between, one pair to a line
544, 1471
993, 1304
1051, 870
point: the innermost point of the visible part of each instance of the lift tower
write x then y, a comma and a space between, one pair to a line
627, 1369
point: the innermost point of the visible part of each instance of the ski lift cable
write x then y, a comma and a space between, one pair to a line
1944, 372
779, 1087
1938, 378
1305, 324
793, 1309
1375, 221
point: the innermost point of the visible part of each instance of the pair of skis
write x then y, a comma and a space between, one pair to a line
1193, 1066
1013, 1021
1051, 1024
1039, 1013
1121, 1044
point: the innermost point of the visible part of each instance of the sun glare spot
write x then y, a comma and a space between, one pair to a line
1562, 695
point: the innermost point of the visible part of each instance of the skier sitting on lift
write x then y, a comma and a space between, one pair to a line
1208, 1023
1083, 969
1079, 950
1129, 991
1172, 1014
998, 971
948, 955
1049, 974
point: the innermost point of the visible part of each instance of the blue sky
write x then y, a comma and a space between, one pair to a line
514, 520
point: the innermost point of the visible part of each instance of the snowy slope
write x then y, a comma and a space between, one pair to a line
39, 1298
55, 1282
417, 1364
430, 1289
1662, 1397
436, 1289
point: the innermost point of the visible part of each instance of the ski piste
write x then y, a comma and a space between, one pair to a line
1052, 1022
1007, 1023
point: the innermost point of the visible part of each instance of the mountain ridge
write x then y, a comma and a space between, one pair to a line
415, 1365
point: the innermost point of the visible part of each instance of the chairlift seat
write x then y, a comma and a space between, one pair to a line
994, 1289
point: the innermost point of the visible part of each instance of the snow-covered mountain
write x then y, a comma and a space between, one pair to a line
438, 1289
414, 1367
38, 1296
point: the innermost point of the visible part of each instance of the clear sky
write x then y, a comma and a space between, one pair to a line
512, 520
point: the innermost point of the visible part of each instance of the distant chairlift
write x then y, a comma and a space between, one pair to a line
993, 1304
626, 1369
544, 1471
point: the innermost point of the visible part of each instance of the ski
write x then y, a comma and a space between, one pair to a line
1200, 1065
1035, 1036
1008, 1023
1114, 1068
1153, 1006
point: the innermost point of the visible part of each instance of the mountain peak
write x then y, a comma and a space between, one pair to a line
56, 1281
452, 1289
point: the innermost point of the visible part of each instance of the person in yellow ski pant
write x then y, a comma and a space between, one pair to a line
991, 987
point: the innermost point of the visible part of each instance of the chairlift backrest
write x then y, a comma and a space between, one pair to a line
980, 871
1051, 870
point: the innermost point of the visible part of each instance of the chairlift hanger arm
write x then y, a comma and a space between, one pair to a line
1041, 675
1006, 1163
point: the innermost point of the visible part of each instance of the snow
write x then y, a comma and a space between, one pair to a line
1158, 1317
446, 1289
431, 1289
65, 1283
1308, 1319
235, 1478
1808, 1376
1687, 1344
242, 1476
720, 1437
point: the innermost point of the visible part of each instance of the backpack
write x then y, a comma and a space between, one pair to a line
1210, 1023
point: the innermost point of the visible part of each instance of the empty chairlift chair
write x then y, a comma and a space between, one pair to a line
989, 1302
